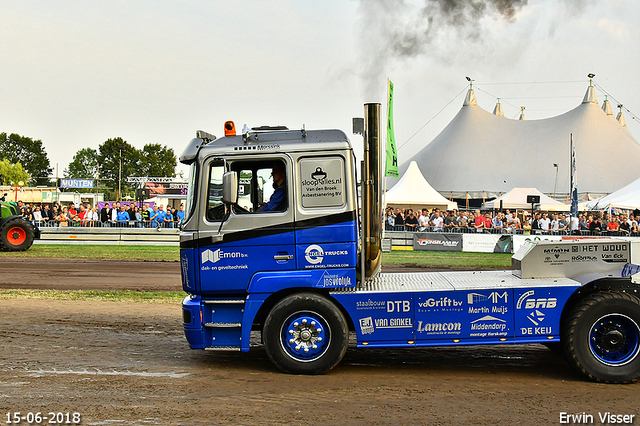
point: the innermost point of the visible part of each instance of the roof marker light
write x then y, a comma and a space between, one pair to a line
229, 128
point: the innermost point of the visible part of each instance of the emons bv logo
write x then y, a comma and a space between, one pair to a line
215, 256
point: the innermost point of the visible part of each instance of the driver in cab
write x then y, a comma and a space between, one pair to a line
278, 201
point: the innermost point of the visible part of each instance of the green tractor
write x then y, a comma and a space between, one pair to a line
16, 234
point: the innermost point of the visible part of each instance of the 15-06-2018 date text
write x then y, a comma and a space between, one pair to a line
48, 418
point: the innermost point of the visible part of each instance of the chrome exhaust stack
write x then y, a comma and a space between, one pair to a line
371, 193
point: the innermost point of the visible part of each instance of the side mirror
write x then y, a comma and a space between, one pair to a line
230, 188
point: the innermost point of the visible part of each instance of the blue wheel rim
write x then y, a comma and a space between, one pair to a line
614, 339
305, 336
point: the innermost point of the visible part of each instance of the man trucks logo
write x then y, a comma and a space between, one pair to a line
216, 256
314, 254
366, 325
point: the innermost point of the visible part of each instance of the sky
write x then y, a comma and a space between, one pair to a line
76, 73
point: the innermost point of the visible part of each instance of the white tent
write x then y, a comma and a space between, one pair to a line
517, 199
484, 154
627, 198
413, 191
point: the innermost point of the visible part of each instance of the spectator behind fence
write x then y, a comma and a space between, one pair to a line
145, 214
105, 214
437, 222
411, 222
122, 217
180, 214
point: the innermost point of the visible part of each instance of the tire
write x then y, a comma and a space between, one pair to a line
601, 337
305, 333
16, 235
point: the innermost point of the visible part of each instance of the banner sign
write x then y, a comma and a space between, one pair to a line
76, 183
391, 167
480, 243
437, 241
519, 240
175, 188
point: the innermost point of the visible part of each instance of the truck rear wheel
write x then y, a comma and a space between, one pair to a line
602, 337
16, 235
305, 334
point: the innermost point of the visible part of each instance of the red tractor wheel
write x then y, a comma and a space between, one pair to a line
16, 235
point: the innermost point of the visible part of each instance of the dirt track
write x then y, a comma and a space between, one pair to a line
124, 363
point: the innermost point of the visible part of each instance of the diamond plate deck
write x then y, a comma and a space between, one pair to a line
447, 281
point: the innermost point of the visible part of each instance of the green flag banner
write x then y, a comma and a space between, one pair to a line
391, 168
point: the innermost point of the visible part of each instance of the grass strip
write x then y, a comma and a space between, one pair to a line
448, 259
172, 253
99, 252
173, 297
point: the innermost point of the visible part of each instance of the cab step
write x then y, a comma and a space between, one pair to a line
223, 348
223, 324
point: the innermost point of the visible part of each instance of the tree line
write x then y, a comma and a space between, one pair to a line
24, 162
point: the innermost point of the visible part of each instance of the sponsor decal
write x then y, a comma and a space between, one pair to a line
488, 326
556, 250
333, 280
584, 258
494, 298
536, 316
444, 328
445, 243
366, 325
370, 304
314, 254
217, 255
630, 269
184, 263
393, 323
398, 306
440, 303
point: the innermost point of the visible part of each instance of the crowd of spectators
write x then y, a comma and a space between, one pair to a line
511, 222
114, 214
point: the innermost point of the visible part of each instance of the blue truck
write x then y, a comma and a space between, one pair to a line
305, 274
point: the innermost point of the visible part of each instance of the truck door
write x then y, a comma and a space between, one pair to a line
326, 225
256, 234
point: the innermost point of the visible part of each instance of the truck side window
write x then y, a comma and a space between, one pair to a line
215, 206
261, 190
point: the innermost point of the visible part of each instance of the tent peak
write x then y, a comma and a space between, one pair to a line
470, 99
590, 96
498, 109
606, 107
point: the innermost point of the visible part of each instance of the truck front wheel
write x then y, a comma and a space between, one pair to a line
305, 334
602, 337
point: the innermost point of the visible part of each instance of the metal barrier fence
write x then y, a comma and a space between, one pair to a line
141, 224
511, 231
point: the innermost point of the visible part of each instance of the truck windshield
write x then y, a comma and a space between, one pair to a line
191, 191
